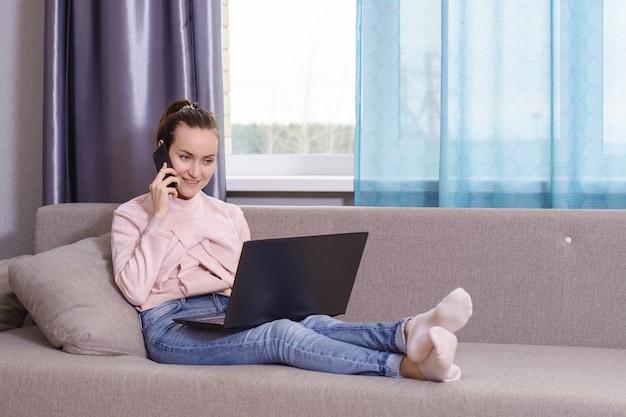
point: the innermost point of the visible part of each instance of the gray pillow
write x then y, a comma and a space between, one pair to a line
12, 312
71, 294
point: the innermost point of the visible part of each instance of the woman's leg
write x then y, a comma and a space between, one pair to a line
410, 336
284, 341
435, 366
280, 341
385, 336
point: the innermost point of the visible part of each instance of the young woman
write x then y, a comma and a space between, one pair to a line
175, 252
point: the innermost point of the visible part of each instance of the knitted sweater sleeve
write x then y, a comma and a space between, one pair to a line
137, 254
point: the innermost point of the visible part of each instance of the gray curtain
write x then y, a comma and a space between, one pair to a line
111, 67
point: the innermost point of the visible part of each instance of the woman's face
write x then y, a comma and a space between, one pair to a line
193, 154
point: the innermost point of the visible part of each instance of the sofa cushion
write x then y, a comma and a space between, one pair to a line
12, 312
71, 294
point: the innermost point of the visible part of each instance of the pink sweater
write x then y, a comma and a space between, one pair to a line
194, 251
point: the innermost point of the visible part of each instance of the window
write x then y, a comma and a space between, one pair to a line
289, 92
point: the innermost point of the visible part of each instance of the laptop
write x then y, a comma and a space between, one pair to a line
291, 278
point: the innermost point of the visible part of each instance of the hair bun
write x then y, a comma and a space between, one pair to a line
191, 106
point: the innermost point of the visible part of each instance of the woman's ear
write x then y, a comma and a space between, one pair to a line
160, 142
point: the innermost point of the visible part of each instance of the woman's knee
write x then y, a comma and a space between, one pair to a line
318, 320
286, 331
282, 326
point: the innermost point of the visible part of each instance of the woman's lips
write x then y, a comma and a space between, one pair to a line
191, 183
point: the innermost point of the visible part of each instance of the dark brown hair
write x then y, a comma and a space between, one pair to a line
184, 112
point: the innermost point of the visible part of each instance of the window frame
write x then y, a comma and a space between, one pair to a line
274, 172
290, 173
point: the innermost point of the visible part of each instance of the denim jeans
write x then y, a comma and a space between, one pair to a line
318, 343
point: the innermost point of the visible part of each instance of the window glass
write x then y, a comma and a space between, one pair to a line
291, 76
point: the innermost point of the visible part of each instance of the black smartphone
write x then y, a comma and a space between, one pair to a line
162, 155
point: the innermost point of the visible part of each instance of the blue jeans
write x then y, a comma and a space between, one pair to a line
318, 343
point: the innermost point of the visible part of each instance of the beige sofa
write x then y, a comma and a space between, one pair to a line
548, 335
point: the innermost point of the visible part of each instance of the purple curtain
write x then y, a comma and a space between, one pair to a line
111, 68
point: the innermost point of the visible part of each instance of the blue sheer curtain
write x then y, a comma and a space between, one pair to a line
490, 103
111, 68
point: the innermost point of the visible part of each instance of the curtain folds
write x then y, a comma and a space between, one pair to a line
490, 103
111, 68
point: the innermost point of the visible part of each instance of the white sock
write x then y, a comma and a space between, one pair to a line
452, 313
438, 365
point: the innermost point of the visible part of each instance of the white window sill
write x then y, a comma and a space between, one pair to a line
290, 173
290, 183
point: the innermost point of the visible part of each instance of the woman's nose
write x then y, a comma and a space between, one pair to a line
194, 170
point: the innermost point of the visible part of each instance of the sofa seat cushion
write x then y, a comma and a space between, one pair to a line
498, 380
71, 294
12, 312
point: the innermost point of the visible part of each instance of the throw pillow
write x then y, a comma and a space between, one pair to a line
71, 294
12, 312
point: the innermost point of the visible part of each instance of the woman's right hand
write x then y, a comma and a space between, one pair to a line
160, 190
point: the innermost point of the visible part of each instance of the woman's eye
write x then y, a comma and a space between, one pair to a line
208, 161
184, 157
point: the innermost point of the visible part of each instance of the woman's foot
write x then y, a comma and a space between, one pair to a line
438, 365
452, 313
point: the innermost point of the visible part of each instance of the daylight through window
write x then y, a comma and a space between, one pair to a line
291, 76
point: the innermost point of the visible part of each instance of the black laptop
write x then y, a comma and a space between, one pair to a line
291, 278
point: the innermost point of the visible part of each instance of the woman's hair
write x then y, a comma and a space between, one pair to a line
184, 112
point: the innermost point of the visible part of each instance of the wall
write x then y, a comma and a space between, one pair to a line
21, 101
